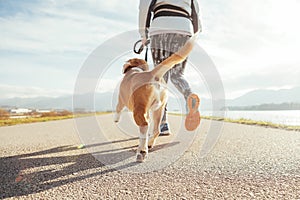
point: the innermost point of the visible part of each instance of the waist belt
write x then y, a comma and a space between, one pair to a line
170, 10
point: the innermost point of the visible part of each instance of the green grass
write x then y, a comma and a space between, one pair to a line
11, 122
249, 122
253, 122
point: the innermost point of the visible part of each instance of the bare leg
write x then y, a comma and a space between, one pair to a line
163, 46
178, 80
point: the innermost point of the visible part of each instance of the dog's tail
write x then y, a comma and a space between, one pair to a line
178, 57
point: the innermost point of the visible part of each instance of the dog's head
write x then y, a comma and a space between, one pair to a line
135, 62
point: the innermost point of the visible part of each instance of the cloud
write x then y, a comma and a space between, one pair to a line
62, 27
108, 85
42, 71
247, 26
250, 41
11, 91
46, 42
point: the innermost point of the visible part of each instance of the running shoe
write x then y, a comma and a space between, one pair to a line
192, 119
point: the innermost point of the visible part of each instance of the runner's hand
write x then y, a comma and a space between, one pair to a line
144, 41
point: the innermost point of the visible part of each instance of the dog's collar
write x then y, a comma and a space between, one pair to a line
133, 68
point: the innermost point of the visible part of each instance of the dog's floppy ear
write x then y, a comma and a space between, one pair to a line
126, 66
135, 62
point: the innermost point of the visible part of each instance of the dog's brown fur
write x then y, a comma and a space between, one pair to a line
141, 91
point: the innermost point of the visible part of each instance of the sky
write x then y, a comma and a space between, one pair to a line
254, 44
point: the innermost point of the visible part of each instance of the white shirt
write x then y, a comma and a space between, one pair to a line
166, 24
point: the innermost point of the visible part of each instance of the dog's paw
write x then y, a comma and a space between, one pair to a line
117, 117
151, 142
141, 156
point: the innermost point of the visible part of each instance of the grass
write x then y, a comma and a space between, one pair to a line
250, 122
254, 123
11, 122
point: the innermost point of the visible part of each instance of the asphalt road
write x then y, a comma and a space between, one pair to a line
48, 161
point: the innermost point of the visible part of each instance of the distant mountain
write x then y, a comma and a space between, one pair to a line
258, 97
37, 102
102, 102
272, 106
107, 101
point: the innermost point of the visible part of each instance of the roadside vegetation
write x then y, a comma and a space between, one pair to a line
6, 120
252, 122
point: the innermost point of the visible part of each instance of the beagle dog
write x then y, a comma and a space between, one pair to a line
142, 91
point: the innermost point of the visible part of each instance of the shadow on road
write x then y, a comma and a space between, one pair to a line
42, 170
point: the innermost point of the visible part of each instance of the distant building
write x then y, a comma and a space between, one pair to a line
20, 111
43, 111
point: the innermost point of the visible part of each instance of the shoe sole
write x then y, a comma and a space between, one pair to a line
164, 133
192, 119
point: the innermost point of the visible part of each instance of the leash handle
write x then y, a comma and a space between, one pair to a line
139, 51
146, 54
